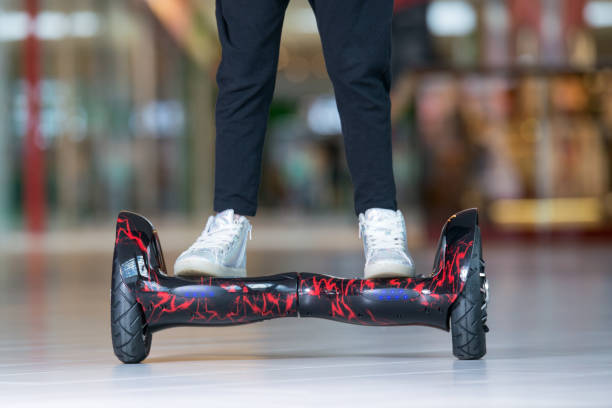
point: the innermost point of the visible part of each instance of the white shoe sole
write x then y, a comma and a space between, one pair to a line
388, 270
198, 267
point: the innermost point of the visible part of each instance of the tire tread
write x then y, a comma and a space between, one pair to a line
130, 337
467, 328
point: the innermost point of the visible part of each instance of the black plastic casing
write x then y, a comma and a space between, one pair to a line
170, 301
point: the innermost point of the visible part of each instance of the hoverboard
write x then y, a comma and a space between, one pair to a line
145, 299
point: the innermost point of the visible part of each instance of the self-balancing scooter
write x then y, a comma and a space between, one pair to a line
144, 298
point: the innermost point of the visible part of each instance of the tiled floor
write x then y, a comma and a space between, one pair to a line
550, 342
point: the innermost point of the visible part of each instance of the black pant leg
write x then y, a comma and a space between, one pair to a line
356, 38
250, 32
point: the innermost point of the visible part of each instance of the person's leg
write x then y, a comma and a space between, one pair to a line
250, 33
356, 38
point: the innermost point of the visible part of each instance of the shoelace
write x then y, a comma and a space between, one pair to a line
386, 233
218, 237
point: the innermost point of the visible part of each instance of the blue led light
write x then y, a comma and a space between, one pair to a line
197, 293
389, 294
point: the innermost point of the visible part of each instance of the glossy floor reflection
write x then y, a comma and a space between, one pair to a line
550, 342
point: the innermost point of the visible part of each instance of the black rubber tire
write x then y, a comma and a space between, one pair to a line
467, 315
130, 334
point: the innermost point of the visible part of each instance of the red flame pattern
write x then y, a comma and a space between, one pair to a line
218, 301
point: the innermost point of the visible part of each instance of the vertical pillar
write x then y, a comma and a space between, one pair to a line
33, 155
4, 136
145, 146
496, 39
551, 33
66, 149
201, 142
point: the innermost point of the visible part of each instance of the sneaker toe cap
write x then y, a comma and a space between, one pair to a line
205, 253
390, 257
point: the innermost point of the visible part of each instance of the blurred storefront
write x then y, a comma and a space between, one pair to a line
512, 113
125, 111
504, 105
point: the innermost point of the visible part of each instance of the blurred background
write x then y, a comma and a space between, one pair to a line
501, 105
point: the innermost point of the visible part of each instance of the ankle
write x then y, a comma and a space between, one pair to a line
236, 215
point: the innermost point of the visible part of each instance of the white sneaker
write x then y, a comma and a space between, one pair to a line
384, 244
219, 251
